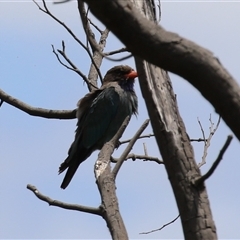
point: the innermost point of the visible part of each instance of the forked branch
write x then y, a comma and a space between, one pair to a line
73, 66
207, 141
129, 148
134, 157
68, 206
37, 112
200, 181
107, 188
46, 10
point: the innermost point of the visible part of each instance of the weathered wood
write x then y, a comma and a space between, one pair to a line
174, 145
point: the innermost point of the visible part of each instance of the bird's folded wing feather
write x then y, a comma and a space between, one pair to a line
95, 120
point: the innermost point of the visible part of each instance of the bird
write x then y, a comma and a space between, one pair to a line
100, 114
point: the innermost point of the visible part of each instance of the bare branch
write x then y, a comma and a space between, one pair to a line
73, 67
89, 34
46, 10
208, 140
37, 112
198, 140
119, 59
95, 26
201, 180
107, 188
91, 39
143, 136
56, 203
116, 51
107, 150
145, 149
201, 130
86, 26
93, 72
140, 157
63, 1
159, 229
128, 148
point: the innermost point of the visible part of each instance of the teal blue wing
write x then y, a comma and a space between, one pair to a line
95, 122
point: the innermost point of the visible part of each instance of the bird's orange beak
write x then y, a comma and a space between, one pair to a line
133, 74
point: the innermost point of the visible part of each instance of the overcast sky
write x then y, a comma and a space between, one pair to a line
31, 148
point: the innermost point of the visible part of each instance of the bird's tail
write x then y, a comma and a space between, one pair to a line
72, 162
70, 172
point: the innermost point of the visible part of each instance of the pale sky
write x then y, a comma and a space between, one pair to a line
31, 149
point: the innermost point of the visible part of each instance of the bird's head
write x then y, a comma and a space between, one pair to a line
122, 74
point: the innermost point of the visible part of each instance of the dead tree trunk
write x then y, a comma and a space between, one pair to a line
174, 145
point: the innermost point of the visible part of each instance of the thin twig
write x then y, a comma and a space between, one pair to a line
95, 26
73, 67
116, 51
208, 140
63, 1
37, 112
145, 149
56, 203
119, 59
200, 180
92, 40
93, 73
159, 229
128, 148
46, 10
88, 31
143, 136
86, 26
202, 130
198, 140
140, 157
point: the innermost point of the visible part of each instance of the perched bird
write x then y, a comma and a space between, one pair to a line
100, 114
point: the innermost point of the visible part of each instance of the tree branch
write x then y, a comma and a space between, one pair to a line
143, 136
200, 181
94, 69
121, 50
159, 229
107, 188
56, 203
46, 10
140, 157
197, 140
94, 25
37, 112
73, 66
208, 140
93, 42
129, 148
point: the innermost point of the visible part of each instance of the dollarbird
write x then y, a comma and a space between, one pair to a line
100, 114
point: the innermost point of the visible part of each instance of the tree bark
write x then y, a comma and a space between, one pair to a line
105, 179
174, 145
177, 152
